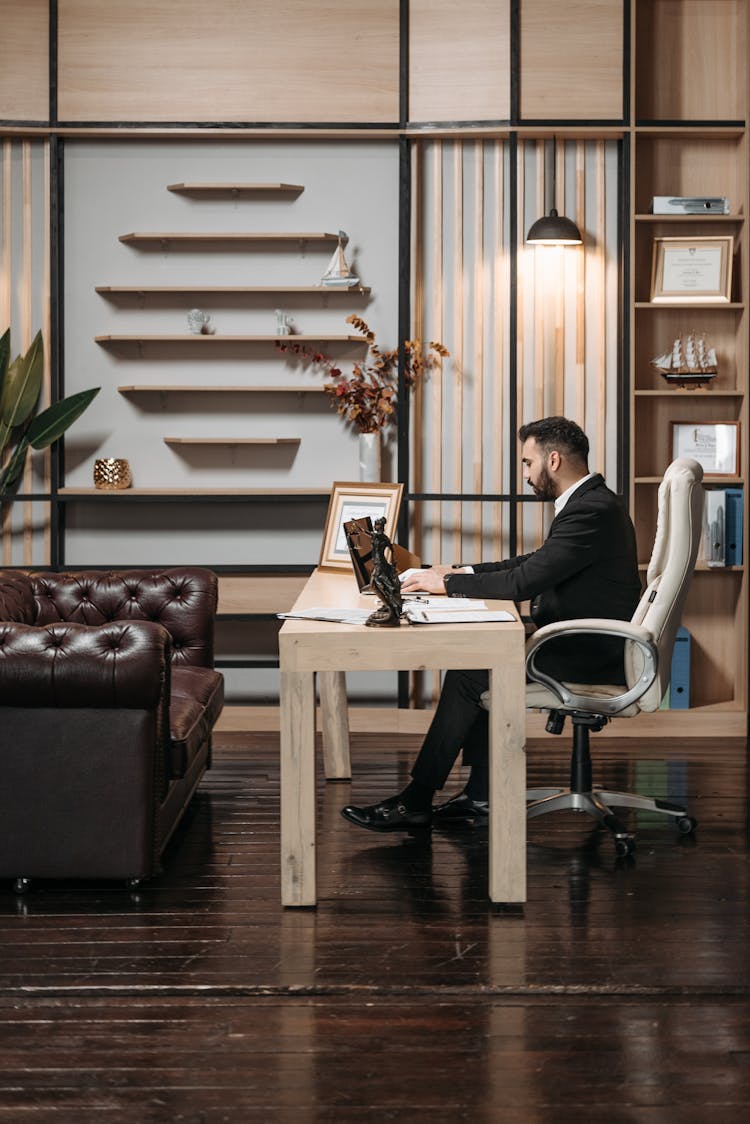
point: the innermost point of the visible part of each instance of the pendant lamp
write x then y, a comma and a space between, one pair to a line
554, 229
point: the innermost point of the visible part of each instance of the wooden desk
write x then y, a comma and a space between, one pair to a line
310, 647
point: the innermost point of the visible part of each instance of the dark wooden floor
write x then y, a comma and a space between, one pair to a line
620, 992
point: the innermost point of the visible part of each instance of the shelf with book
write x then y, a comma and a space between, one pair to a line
689, 139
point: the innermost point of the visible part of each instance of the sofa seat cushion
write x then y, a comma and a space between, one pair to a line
197, 698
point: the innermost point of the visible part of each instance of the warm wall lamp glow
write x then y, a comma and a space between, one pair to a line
554, 229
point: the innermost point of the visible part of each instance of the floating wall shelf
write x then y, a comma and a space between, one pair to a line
232, 440
139, 237
166, 290
181, 389
188, 494
204, 341
233, 188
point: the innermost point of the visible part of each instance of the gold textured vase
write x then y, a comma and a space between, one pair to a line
111, 474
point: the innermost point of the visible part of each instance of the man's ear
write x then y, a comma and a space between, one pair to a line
554, 460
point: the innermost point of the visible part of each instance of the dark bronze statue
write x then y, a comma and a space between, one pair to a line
384, 580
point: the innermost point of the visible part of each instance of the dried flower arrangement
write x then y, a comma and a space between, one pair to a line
367, 397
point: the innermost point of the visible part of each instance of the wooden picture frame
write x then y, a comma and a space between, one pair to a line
714, 445
692, 270
355, 500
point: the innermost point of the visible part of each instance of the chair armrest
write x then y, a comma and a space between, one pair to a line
592, 626
122, 664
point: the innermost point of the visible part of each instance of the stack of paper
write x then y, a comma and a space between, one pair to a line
418, 614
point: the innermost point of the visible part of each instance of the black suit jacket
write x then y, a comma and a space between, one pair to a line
587, 567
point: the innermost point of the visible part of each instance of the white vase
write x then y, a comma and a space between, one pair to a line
369, 457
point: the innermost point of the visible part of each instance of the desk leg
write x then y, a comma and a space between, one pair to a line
297, 706
334, 715
507, 857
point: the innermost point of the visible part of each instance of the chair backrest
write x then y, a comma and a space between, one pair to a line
679, 524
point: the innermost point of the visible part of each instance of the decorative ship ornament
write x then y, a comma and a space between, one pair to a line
690, 364
339, 273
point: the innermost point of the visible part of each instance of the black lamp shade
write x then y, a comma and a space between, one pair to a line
554, 230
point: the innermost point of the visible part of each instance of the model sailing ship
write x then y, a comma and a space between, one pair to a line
339, 274
690, 364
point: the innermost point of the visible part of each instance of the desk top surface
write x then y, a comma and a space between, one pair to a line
321, 645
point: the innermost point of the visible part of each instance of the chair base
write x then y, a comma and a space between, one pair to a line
582, 796
597, 803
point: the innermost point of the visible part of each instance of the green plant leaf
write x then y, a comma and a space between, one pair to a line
52, 422
22, 384
4, 355
13, 468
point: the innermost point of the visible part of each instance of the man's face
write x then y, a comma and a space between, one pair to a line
535, 471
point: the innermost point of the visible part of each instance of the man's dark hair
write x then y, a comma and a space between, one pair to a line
558, 433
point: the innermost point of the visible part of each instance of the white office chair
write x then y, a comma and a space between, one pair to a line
649, 637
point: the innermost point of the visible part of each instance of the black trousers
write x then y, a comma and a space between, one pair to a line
459, 723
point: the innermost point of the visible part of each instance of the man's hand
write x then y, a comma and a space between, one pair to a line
426, 581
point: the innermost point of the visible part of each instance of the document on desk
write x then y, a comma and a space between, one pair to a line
415, 615
420, 610
332, 616
452, 610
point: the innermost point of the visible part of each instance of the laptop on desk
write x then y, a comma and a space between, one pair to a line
358, 540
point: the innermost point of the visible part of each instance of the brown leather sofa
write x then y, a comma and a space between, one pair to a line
108, 697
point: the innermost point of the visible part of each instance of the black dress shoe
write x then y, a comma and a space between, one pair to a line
389, 815
461, 809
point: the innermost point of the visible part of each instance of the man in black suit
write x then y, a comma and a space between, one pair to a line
587, 567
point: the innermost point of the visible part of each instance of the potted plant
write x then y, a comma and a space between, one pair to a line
21, 428
366, 397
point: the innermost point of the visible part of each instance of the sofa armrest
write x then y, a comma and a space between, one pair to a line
123, 664
16, 597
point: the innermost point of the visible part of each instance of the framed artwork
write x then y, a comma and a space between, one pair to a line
351, 501
714, 445
698, 270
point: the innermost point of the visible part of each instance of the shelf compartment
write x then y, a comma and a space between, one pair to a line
241, 595
652, 423
232, 440
658, 325
691, 60
689, 164
234, 188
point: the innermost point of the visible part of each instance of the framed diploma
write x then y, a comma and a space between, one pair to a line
698, 270
714, 445
356, 501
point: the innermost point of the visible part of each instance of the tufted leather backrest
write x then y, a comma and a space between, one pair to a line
183, 599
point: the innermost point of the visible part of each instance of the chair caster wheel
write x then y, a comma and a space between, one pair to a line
21, 885
686, 825
624, 845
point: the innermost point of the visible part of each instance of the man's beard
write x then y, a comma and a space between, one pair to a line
545, 488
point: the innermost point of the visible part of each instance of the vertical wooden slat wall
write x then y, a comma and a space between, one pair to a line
6, 510
25, 308
567, 318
